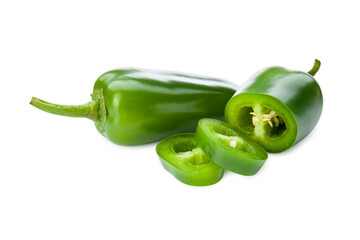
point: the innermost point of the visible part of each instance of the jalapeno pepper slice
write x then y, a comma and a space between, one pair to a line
229, 147
182, 157
277, 107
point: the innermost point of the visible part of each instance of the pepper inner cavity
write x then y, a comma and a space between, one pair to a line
230, 137
188, 151
267, 122
272, 118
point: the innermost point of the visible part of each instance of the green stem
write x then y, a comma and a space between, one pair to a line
88, 110
315, 68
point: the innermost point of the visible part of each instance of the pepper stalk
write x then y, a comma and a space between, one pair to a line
94, 110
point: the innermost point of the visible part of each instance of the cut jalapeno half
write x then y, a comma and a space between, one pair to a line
230, 148
277, 107
182, 157
265, 119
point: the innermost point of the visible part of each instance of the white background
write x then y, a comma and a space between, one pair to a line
60, 179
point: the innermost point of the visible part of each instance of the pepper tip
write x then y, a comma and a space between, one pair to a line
31, 101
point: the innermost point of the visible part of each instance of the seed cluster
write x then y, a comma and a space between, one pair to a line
272, 118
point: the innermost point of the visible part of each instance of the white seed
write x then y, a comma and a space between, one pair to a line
276, 121
272, 113
270, 123
252, 113
267, 116
254, 120
232, 143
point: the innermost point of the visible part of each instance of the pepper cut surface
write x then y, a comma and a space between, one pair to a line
277, 107
185, 160
229, 147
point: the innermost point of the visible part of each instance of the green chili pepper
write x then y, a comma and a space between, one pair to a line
132, 106
183, 158
229, 147
277, 107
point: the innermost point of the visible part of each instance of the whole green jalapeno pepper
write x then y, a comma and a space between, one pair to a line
137, 106
277, 107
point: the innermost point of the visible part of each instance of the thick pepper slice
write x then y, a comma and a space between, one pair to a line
229, 147
277, 107
183, 158
138, 106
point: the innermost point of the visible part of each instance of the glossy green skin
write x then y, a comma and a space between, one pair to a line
181, 156
145, 106
295, 95
246, 158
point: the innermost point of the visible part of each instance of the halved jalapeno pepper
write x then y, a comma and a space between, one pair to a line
277, 107
229, 147
183, 158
